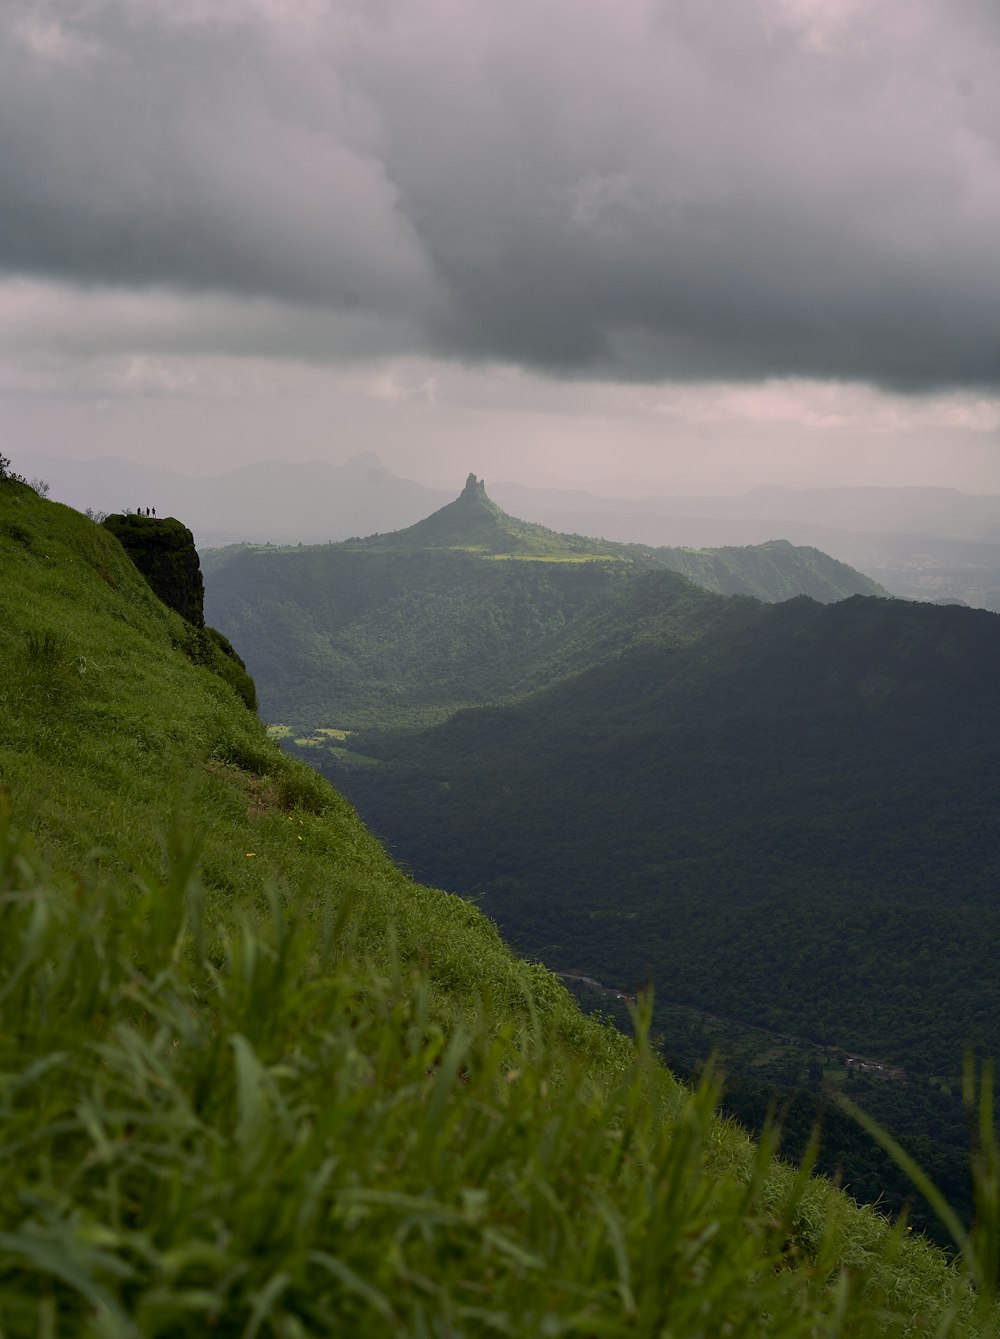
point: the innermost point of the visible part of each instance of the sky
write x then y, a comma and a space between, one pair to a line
627, 244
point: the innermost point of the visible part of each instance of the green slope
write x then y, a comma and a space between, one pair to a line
773, 571
776, 570
336, 637
254, 1081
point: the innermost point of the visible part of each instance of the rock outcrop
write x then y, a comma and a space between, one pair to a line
164, 552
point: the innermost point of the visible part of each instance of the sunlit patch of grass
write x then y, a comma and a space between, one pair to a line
356, 759
556, 557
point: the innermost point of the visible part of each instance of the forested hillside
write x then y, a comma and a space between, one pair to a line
470, 605
773, 571
254, 1081
920, 543
789, 822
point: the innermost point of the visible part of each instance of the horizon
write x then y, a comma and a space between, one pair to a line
612, 489
655, 246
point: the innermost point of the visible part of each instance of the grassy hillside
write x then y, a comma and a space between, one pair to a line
256, 1082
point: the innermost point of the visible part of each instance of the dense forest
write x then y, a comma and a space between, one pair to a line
793, 817
789, 822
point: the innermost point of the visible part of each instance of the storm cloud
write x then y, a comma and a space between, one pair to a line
639, 190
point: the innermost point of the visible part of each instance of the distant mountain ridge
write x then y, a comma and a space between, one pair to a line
921, 543
266, 501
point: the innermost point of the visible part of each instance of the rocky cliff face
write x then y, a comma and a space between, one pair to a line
163, 550
165, 554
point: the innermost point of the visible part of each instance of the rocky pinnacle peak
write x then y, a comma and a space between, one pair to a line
474, 488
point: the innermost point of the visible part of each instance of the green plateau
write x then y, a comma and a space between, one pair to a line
256, 1081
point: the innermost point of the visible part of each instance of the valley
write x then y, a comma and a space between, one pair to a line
780, 813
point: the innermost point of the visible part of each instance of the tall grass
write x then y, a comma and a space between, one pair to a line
255, 1082
249, 1128
978, 1248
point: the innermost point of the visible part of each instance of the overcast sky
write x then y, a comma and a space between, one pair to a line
698, 245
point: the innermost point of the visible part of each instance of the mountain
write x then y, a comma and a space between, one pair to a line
475, 524
920, 543
466, 606
716, 767
255, 1081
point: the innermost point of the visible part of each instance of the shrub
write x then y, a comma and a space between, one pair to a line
7, 475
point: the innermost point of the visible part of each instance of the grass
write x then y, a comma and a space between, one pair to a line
556, 557
355, 759
331, 740
267, 1124
256, 1082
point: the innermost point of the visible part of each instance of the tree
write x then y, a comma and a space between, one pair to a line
7, 474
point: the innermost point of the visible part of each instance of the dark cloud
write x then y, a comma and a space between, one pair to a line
149, 148
645, 190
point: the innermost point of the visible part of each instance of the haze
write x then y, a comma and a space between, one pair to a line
648, 244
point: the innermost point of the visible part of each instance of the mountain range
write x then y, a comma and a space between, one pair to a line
920, 543
470, 604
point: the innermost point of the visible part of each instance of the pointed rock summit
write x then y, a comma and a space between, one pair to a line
474, 524
471, 522
474, 490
